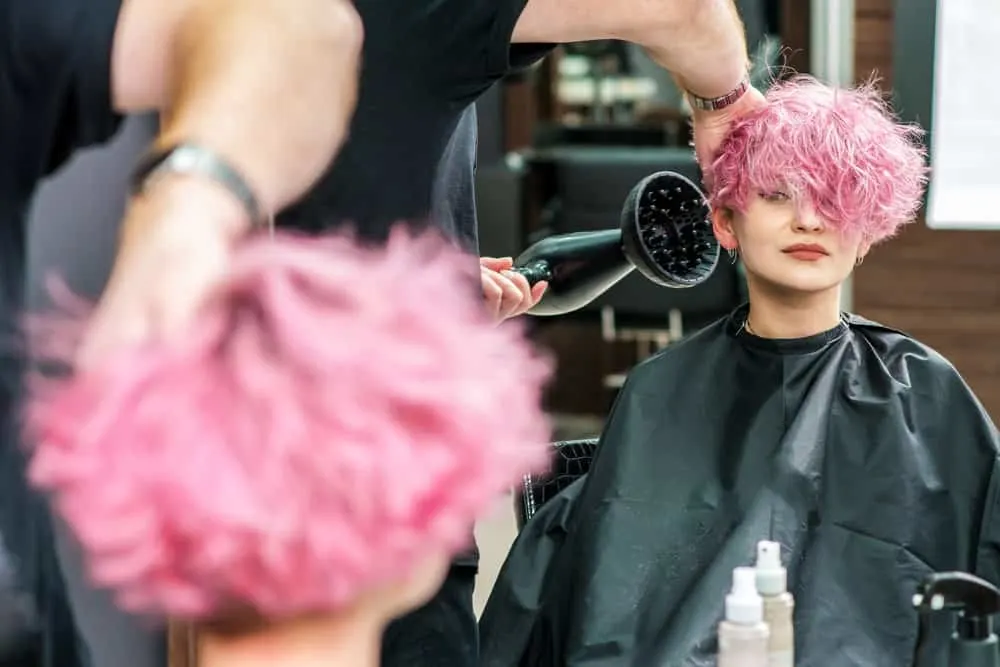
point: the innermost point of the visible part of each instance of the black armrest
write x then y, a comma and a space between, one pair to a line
571, 461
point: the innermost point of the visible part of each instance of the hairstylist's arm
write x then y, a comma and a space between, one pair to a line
267, 85
701, 42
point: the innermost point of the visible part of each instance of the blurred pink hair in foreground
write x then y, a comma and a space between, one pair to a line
840, 150
333, 415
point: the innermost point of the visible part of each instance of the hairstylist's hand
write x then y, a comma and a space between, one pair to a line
175, 246
507, 292
711, 127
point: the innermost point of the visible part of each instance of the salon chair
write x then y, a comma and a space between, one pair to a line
571, 461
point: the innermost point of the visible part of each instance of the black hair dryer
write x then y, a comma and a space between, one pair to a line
974, 602
665, 233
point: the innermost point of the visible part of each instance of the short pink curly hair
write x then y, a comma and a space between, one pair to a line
333, 416
840, 150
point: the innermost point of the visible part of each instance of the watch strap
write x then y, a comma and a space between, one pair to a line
720, 103
195, 160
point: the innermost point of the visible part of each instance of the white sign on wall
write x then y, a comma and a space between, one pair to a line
965, 141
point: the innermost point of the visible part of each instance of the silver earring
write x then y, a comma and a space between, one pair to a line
733, 255
860, 260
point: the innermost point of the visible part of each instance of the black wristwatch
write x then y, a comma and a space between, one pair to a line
195, 160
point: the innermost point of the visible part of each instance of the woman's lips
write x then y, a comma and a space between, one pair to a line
806, 253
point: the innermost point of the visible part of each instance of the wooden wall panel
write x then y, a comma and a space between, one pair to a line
872, 46
943, 287
795, 29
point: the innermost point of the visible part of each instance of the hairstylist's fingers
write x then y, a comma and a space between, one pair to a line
530, 299
513, 294
492, 292
537, 292
521, 299
503, 295
496, 263
533, 295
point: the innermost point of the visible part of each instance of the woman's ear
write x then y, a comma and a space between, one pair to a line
722, 225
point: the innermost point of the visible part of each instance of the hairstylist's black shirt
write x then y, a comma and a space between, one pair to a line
424, 63
411, 150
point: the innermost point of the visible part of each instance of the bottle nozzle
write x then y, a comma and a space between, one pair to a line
743, 604
771, 576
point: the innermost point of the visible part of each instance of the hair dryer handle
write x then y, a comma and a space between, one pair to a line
535, 272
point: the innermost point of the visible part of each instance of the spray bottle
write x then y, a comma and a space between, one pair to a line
974, 642
772, 584
743, 635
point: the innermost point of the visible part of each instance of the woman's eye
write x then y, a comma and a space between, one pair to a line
774, 196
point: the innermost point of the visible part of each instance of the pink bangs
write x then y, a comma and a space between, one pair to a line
841, 151
333, 416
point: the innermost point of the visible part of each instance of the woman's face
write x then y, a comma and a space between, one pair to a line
785, 245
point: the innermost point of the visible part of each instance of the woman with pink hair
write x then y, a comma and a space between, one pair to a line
291, 494
856, 447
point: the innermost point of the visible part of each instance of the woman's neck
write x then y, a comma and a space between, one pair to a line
314, 642
774, 315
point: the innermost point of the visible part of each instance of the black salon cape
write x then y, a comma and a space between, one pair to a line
860, 450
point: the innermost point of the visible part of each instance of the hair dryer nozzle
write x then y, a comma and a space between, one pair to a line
667, 231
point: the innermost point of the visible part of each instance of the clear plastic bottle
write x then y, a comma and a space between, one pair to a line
743, 635
772, 584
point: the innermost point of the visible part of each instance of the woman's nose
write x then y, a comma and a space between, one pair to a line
807, 220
